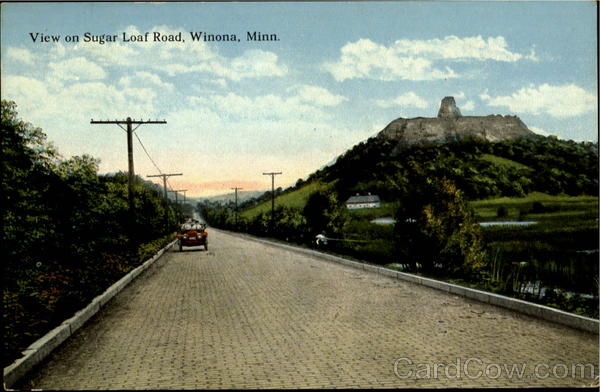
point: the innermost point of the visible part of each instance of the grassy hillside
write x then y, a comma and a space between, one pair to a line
496, 160
230, 197
294, 199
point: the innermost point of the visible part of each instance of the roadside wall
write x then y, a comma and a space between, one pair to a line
41, 348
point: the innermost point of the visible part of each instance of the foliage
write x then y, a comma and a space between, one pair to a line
436, 228
323, 213
65, 231
293, 197
480, 169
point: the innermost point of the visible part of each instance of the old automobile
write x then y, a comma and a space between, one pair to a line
192, 233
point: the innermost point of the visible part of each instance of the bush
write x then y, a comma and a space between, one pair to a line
66, 233
435, 226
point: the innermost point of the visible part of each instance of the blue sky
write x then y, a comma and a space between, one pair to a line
338, 73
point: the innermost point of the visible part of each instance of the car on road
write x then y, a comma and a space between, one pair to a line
192, 233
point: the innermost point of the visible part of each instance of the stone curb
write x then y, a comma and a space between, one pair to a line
528, 308
40, 349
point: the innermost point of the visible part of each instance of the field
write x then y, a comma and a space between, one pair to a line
503, 161
569, 209
294, 199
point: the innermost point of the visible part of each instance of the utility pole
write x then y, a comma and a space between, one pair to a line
176, 199
272, 174
179, 190
129, 122
236, 210
183, 205
164, 177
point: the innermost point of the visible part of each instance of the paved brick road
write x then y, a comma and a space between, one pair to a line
246, 315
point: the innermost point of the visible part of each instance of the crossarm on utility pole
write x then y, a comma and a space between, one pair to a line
164, 177
129, 130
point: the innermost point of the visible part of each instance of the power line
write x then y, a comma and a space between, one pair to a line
129, 122
146, 151
176, 192
164, 177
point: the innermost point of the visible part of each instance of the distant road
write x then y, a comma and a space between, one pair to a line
247, 315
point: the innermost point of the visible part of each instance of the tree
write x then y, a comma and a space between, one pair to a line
62, 231
323, 213
436, 228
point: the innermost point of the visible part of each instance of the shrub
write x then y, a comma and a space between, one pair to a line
434, 225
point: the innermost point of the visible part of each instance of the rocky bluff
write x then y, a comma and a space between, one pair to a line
450, 124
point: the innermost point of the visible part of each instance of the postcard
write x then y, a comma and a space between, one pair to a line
444, 154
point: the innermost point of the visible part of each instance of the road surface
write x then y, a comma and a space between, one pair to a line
247, 315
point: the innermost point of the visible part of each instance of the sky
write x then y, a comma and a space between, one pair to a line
326, 76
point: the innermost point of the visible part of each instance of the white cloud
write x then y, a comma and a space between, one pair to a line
270, 107
460, 95
145, 79
469, 105
368, 60
43, 103
253, 64
406, 99
532, 56
20, 54
78, 68
453, 47
319, 96
539, 131
414, 59
557, 101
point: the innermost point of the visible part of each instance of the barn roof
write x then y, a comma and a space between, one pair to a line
362, 199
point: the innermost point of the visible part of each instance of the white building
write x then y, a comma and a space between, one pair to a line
358, 201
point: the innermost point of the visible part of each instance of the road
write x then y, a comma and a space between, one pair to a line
247, 315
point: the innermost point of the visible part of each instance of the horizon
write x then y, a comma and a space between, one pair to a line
292, 87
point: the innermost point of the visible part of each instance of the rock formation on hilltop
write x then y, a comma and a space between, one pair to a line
450, 124
448, 109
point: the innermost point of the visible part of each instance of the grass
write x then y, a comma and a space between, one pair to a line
563, 208
294, 199
503, 161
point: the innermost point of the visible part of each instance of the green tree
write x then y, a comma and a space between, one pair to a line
435, 226
324, 213
62, 231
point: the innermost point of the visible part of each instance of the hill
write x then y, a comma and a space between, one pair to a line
230, 197
293, 198
481, 169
